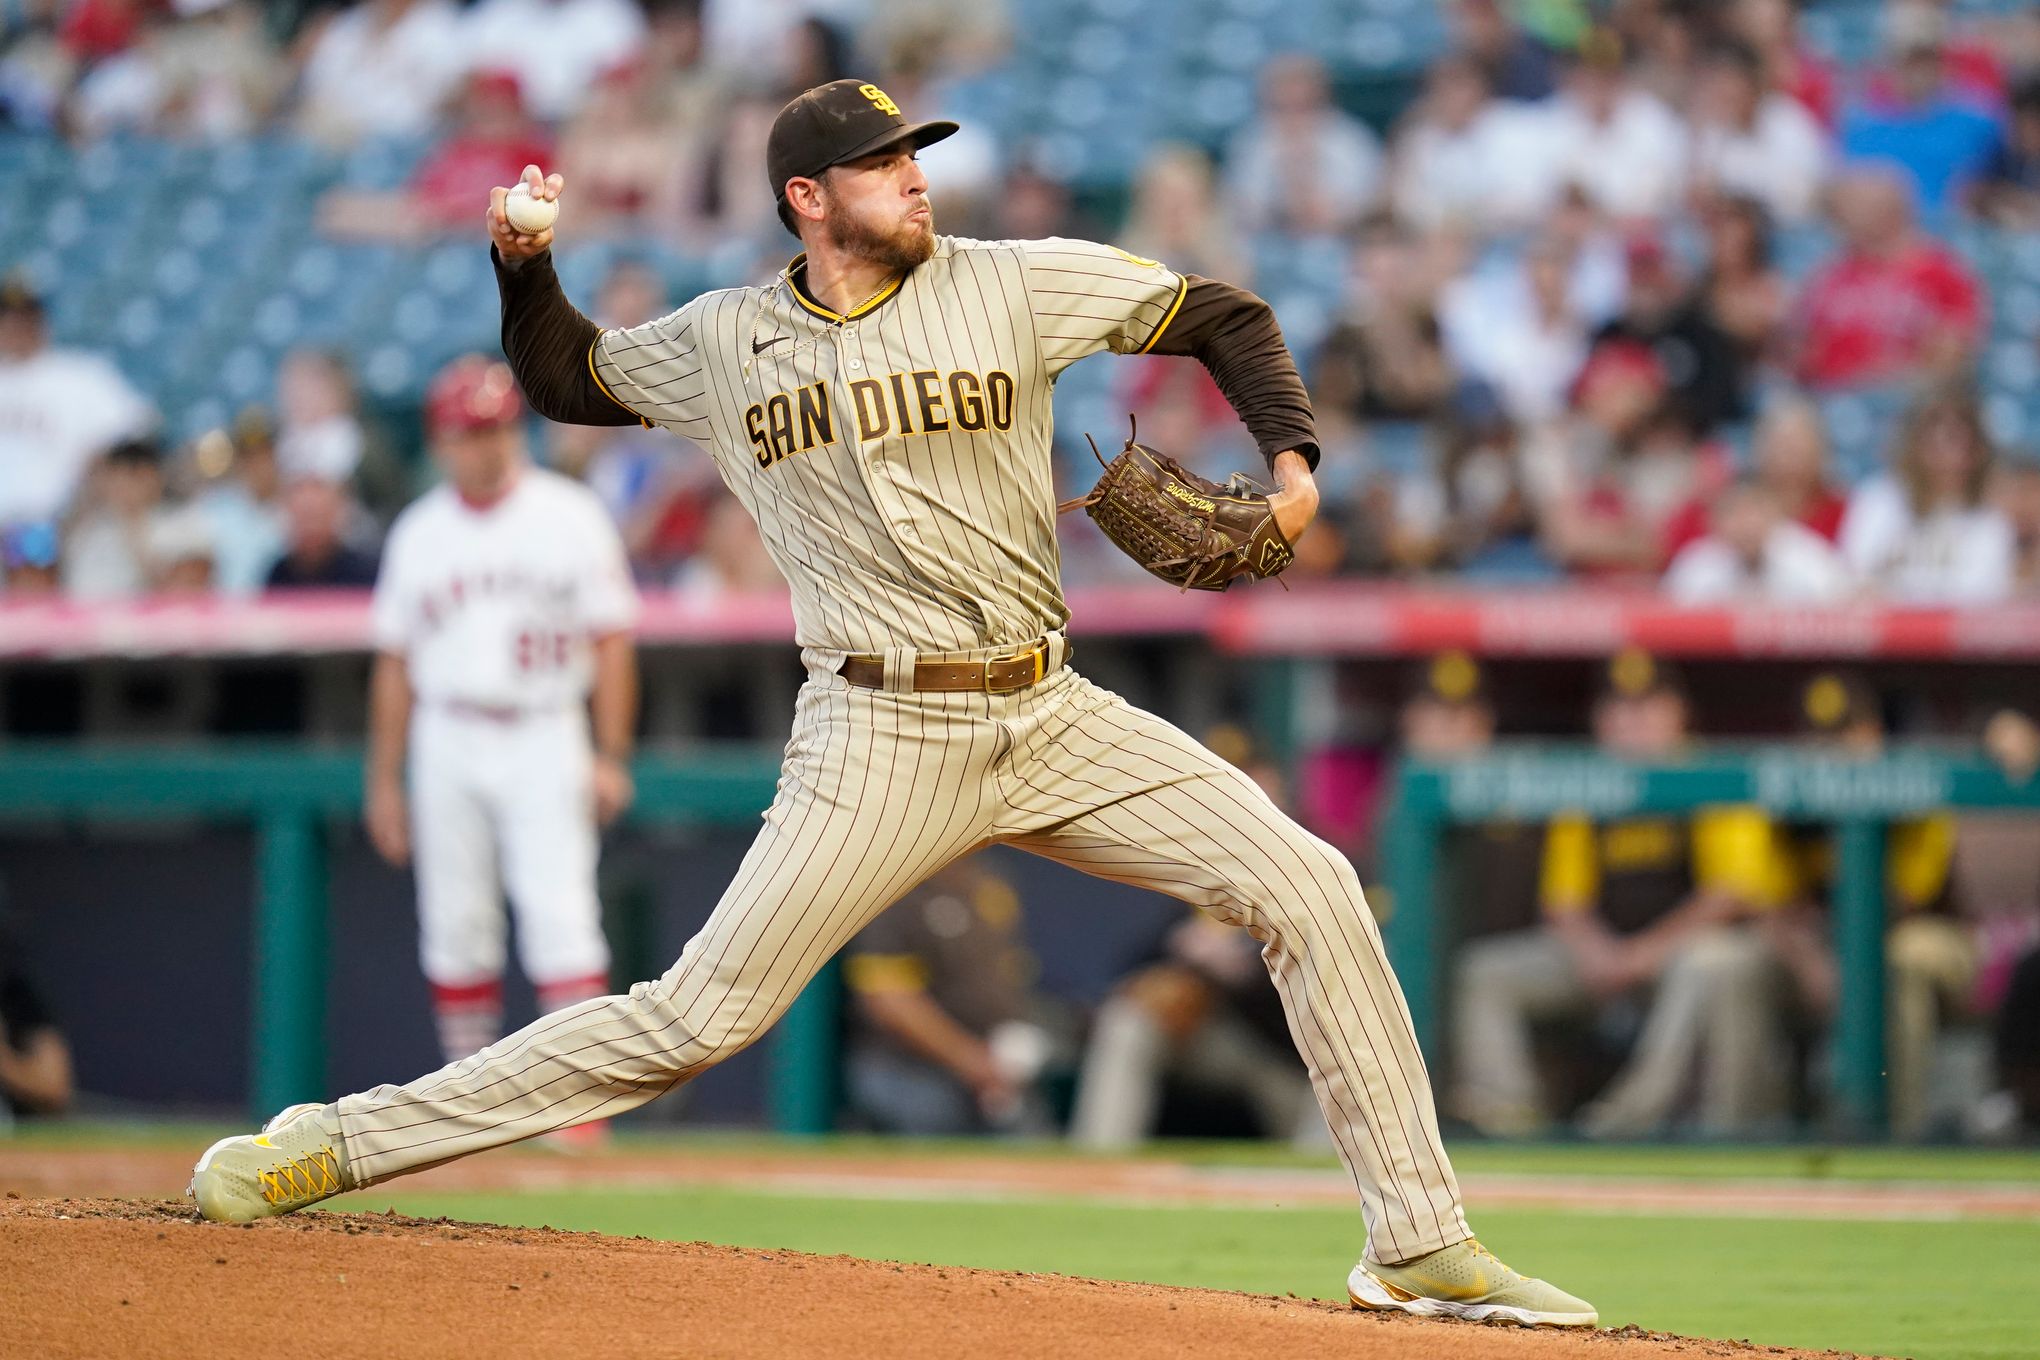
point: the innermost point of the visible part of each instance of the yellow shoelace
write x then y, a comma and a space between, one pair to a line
315, 1175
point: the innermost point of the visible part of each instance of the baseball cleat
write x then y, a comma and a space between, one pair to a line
298, 1159
287, 1114
1465, 1281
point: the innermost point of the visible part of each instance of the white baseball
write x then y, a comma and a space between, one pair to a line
527, 214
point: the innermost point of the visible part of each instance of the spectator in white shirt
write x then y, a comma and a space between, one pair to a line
1176, 215
556, 47
1448, 151
109, 545
202, 69
1926, 533
1620, 144
1754, 141
1756, 553
411, 53
1519, 331
2017, 493
759, 38
319, 434
1303, 167
59, 409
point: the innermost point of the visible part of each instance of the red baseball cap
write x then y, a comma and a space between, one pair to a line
473, 393
499, 80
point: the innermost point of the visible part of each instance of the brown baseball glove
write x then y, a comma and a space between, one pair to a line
1188, 530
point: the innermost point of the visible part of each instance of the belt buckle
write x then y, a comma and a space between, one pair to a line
1040, 653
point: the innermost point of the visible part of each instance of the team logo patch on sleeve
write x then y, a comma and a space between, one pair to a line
1132, 258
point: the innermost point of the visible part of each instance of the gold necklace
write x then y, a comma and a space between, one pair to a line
875, 295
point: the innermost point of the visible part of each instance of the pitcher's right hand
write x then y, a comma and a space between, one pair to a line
512, 244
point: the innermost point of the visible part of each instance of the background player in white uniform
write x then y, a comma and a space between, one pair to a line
504, 603
883, 409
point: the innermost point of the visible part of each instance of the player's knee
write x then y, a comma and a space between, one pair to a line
1328, 904
1923, 950
1484, 966
1339, 872
1723, 957
703, 1032
1325, 875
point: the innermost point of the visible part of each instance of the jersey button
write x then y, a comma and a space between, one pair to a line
856, 363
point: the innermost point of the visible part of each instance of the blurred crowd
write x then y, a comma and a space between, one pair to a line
1547, 314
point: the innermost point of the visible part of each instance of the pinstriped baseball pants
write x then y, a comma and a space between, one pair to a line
879, 789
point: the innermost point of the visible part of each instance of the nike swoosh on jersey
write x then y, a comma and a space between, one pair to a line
758, 348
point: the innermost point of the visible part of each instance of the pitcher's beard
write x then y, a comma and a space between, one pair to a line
900, 249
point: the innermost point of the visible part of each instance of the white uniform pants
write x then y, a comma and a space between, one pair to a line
499, 803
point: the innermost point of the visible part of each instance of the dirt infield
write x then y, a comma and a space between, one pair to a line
105, 1277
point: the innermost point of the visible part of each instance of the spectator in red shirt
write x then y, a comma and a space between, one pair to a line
493, 139
1631, 459
1970, 68
1892, 301
1772, 28
1791, 465
93, 30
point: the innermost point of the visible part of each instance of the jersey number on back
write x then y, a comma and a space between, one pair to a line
538, 650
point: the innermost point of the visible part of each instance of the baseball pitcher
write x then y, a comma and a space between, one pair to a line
503, 605
882, 408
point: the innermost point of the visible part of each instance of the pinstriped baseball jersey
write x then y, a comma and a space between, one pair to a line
897, 461
897, 458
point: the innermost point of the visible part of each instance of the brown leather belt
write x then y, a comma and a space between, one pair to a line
1000, 675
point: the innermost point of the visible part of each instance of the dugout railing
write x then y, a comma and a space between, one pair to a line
1529, 782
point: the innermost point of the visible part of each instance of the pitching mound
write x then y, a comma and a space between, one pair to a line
100, 1277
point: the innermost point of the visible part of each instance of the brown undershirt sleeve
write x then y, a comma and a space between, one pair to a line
547, 342
1234, 335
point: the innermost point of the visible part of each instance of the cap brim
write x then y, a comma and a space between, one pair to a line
920, 134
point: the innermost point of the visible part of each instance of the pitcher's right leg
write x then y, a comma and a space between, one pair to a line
878, 792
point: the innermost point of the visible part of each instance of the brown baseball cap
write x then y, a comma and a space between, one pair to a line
1635, 674
1837, 700
18, 297
1452, 677
834, 123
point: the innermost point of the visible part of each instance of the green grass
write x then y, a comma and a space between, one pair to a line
1721, 1162
1945, 1291
1688, 1161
